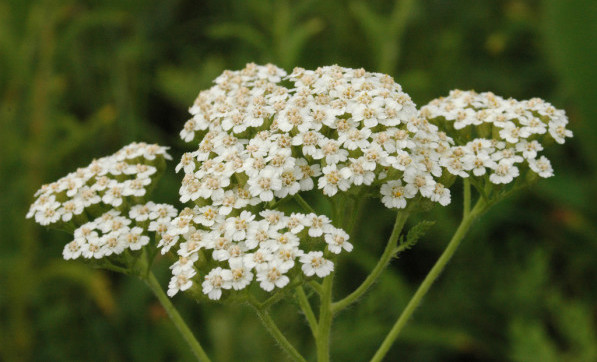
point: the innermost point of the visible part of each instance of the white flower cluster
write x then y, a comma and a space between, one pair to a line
265, 135
113, 233
108, 181
235, 251
494, 134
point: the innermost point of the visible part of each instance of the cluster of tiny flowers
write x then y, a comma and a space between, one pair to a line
494, 134
113, 233
108, 181
237, 251
264, 134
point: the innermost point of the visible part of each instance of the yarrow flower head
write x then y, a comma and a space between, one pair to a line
497, 139
103, 204
264, 134
223, 253
107, 183
113, 233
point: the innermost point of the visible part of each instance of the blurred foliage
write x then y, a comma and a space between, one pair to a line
79, 79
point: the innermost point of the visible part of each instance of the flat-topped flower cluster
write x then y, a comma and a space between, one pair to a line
238, 250
265, 135
105, 184
493, 135
113, 233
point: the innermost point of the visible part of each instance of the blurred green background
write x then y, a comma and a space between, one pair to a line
80, 79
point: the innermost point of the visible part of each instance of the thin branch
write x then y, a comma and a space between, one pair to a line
385, 258
275, 332
439, 266
316, 286
304, 204
466, 209
180, 324
306, 308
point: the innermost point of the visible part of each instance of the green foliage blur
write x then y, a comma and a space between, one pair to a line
80, 79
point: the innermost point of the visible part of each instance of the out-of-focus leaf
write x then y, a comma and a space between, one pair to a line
243, 32
570, 28
384, 32
530, 342
573, 323
292, 45
81, 133
181, 85
94, 282
457, 339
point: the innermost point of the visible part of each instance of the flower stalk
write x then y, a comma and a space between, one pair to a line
176, 319
385, 258
307, 310
275, 332
322, 340
433, 274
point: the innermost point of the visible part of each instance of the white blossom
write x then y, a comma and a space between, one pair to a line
504, 132
314, 263
181, 282
271, 275
215, 281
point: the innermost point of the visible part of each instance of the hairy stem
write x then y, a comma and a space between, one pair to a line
315, 286
325, 320
341, 207
463, 228
385, 258
184, 330
304, 204
466, 208
275, 332
306, 308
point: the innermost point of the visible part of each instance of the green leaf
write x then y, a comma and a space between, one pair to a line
414, 234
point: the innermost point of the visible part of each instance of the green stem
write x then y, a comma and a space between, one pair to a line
357, 215
306, 308
196, 348
385, 258
277, 296
322, 339
114, 268
315, 286
340, 210
304, 204
273, 329
463, 228
466, 208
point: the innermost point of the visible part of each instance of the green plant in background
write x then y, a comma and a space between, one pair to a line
266, 140
32, 90
60, 95
384, 34
277, 32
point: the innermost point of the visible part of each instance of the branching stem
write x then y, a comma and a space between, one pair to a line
182, 327
304, 204
275, 332
325, 320
385, 258
306, 308
463, 228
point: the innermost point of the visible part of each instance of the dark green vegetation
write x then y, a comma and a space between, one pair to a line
80, 79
